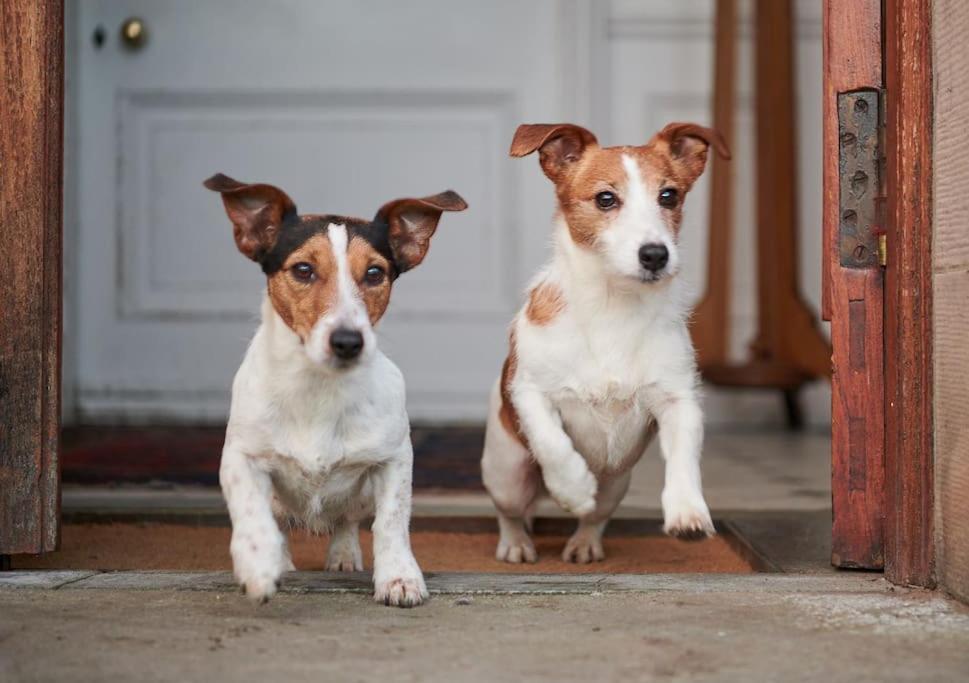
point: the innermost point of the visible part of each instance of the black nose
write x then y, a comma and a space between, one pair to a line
346, 344
653, 256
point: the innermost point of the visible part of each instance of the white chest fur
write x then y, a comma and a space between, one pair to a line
609, 362
319, 436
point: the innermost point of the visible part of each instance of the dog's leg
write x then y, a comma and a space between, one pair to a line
585, 545
258, 547
685, 513
343, 554
564, 470
397, 578
514, 481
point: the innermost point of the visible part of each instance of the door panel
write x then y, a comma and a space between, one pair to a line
343, 104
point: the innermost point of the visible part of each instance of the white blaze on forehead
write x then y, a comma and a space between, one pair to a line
636, 198
641, 206
349, 309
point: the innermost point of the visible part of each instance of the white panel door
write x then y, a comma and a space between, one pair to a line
344, 105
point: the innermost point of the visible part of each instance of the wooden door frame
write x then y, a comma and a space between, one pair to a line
909, 444
31, 124
31, 183
882, 478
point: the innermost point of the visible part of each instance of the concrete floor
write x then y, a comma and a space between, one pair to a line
807, 623
777, 628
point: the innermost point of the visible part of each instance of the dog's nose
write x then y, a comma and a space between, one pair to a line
346, 343
653, 256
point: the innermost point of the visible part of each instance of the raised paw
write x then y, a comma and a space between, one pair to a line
401, 592
584, 548
686, 519
516, 551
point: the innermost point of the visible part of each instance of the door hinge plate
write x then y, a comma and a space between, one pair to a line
861, 198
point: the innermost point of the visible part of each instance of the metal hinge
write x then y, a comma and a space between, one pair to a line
861, 172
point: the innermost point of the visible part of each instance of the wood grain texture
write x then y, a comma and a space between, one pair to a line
31, 116
950, 256
908, 286
853, 301
857, 414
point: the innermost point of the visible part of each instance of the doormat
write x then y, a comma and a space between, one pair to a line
440, 545
445, 459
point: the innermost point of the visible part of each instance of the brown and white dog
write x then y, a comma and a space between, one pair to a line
318, 432
600, 356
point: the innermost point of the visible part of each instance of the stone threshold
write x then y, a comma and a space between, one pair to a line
455, 583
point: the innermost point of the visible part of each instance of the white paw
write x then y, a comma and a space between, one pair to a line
404, 591
574, 488
686, 517
344, 557
516, 550
258, 565
583, 548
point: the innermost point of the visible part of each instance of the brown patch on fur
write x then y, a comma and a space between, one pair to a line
507, 413
545, 302
301, 304
361, 256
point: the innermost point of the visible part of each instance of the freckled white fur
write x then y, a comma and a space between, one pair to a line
592, 384
322, 448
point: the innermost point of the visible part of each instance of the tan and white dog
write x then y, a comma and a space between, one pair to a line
318, 432
600, 356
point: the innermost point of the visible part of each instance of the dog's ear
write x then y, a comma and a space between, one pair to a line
559, 145
257, 212
687, 145
412, 222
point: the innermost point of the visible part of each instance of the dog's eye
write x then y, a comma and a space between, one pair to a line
303, 272
607, 200
374, 276
668, 198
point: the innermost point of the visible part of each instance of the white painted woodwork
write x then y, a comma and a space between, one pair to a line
346, 105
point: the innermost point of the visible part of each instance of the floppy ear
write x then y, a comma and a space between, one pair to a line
559, 145
687, 144
413, 221
256, 212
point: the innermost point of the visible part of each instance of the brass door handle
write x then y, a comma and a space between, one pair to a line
134, 33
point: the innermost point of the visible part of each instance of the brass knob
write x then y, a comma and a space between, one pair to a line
134, 33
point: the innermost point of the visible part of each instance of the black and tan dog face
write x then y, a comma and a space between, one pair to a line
329, 277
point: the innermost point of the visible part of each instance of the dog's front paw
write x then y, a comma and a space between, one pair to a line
686, 517
404, 591
258, 565
574, 488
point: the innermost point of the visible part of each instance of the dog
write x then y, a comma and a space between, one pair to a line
600, 357
318, 432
